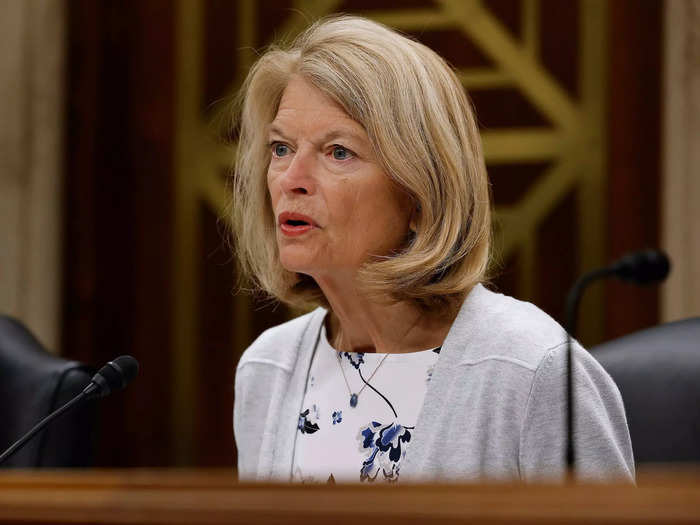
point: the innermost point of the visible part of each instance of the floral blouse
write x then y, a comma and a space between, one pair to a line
359, 413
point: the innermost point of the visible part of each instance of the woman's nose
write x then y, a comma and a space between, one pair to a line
299, 175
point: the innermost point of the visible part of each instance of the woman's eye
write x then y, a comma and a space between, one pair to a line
280, 149
340, 153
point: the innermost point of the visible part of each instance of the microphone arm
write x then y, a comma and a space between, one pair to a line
572, 301
17, 445
115, 375
576, 292
645, 267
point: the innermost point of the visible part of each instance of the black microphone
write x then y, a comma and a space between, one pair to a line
643, 268
115, 375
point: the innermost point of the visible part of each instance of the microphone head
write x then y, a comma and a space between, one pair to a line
645, 267
115, 375
128, 366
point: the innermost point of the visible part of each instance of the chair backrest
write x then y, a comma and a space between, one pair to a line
658, 373
33, 383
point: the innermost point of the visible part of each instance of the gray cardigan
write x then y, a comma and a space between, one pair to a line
494, 409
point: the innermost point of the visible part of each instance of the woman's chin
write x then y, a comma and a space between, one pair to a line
302, 261
297, 264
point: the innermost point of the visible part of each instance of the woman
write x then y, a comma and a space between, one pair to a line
361, 189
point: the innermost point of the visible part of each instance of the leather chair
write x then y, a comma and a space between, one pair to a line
658, 373
33, 383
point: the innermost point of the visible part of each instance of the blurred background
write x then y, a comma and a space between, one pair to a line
113, 182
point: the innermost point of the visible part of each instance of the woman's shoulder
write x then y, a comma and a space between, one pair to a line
514, 336
279, 345
493, 325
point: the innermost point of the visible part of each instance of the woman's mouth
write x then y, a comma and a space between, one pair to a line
294, 224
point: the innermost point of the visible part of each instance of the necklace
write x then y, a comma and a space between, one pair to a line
355, 396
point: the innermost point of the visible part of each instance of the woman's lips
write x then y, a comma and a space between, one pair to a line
294, 224
293, 231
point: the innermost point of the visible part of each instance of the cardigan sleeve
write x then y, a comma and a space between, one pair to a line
602, 446
247, 428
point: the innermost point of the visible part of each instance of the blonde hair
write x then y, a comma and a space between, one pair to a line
423, 131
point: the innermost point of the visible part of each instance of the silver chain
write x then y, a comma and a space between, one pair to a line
340, 358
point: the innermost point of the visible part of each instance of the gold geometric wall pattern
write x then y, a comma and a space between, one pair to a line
570, 140
572, 143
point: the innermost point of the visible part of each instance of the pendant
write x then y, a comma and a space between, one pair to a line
353, 400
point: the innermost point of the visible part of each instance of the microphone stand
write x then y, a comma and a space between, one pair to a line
644, 267
113, 376
572, 301
41, 424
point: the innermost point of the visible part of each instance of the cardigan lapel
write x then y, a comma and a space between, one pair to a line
288, 401
453, 349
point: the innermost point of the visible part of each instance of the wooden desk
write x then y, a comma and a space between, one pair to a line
213, 496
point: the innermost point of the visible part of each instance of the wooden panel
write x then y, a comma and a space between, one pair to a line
166, 497
216, 345
560, 46
556, 256
141, 165
635, 143
118, 213
535, 70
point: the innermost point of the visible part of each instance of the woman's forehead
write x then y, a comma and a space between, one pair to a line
300, 93
306, 109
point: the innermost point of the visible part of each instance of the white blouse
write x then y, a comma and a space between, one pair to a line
366, 442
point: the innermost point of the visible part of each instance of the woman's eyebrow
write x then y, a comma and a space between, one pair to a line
331, 134
275, 130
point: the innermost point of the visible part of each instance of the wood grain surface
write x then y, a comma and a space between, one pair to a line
163, 496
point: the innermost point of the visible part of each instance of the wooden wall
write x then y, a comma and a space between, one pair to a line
147, 272
118, 246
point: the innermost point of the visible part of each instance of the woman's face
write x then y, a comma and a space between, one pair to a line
334, 206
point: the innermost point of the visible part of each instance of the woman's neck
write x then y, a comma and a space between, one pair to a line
361, 324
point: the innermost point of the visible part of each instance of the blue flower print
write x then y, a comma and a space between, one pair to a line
337, 416
385, 451
304, 425
353, 362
